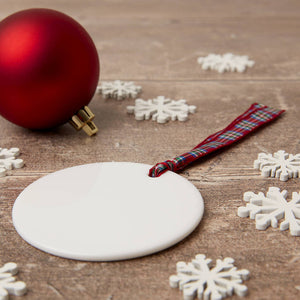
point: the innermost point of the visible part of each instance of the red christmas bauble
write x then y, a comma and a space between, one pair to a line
49, 68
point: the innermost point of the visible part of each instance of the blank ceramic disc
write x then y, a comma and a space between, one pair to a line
107, 211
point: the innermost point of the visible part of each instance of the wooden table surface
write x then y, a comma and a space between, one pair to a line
156, 44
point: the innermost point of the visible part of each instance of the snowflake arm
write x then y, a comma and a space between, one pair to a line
142, 110
161, 109
198, 279
268, 210
226, 63
8, 160
281, 165
118, 89
8, 285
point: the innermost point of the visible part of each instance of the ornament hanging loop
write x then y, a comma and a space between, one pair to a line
255, 116
83, 119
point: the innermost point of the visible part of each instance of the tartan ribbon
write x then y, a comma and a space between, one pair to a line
255, 116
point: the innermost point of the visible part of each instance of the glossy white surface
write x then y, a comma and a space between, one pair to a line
107, 211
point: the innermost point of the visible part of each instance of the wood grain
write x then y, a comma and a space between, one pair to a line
156, 43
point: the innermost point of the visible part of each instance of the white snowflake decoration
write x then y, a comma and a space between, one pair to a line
198, 278
8, 160
161, 109
267, 210
118, 89
8, 283
226, 62
281, 165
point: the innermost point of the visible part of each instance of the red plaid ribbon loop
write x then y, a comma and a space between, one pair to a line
255, 116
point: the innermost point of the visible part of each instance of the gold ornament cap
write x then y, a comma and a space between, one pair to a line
83, 119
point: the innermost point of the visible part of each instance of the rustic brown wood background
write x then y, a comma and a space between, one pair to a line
156, 44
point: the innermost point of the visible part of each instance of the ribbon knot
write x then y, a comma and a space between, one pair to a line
162, 167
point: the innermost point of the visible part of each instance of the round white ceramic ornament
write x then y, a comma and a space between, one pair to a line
107, 211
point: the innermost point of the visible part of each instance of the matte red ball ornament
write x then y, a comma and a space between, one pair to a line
49, 70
